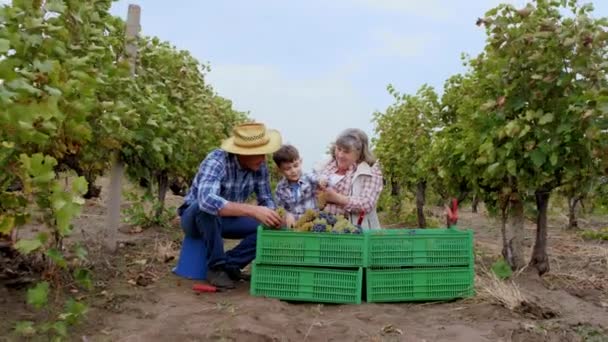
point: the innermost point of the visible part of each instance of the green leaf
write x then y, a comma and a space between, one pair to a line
60, 328
553, 159
493, 168
502, 269
52, 91
603, 106
80, 185
7, 223
80, 252
38, 295
5, 45
28, 246
39, 167
546, 119
524, 131
21, 84
512, 167
569, 41
25, 328
488, 105
57, 257
538, 157
46, 66
55, 6
83, 277
74, 311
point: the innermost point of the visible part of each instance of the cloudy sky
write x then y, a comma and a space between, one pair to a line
312, 68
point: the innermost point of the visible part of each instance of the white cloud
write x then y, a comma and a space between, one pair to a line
437, 9
432, 9
309, 113
388, 43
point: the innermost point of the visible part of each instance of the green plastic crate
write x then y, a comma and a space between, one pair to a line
419, 284
307, 283
420, 247
278, 247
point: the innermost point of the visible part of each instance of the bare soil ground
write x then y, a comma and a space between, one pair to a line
137, 298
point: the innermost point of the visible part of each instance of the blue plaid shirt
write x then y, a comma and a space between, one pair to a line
297, 197
221, 179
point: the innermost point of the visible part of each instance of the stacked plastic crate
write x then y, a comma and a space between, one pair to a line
419, 265
313, 267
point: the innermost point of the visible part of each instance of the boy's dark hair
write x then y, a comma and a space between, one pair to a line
286, 154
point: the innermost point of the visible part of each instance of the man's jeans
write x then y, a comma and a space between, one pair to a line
212, 229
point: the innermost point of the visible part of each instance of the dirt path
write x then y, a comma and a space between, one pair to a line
168, 309
163, 307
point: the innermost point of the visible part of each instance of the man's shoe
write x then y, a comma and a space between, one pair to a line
220, 278
235, 274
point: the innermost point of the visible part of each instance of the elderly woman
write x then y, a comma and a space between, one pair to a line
354, 179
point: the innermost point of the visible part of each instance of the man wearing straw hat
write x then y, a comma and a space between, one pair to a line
215, 206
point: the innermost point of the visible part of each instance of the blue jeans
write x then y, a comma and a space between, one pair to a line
213, 229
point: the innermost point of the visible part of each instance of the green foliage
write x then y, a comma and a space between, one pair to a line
539, 90
589, 333
502, 269
178, 117
600, 234
143, 211
529, 114
405, 132
69, 101
38, 295
25, 328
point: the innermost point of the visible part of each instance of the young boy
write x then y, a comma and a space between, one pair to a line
295, 191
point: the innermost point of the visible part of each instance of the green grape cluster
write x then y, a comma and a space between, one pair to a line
324, 222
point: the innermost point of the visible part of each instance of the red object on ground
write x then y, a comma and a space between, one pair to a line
204, 288
453, 212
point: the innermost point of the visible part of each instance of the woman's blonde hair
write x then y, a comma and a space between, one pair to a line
354, 139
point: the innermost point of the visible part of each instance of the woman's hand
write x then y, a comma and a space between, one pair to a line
334, 197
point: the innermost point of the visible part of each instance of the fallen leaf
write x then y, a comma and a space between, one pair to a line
501, 101
390, 329
141, 261
132, 282
143, 280
136, 230
528, 326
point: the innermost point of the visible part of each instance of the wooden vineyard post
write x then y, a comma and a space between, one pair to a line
116, 173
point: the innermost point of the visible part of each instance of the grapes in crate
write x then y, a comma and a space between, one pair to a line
324, 222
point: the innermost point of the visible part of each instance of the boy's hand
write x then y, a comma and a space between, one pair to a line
290, 220
323, 183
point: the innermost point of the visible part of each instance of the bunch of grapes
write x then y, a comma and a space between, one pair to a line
324, 222
304, 223
344, 226
319, 225
281, 212
330, 218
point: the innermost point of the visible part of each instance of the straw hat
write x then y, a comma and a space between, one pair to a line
252, 139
